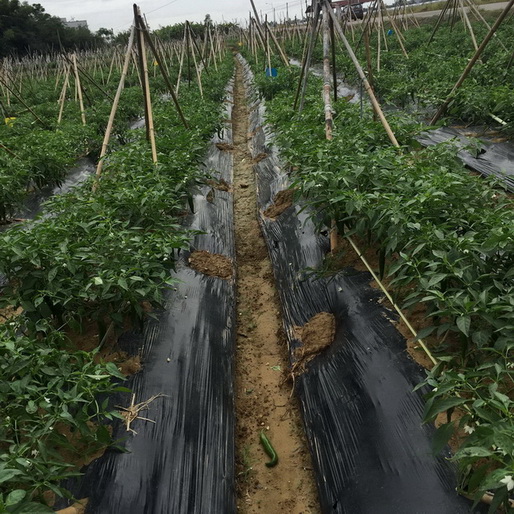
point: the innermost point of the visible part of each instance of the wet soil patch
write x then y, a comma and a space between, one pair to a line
224, 147
316, 335
260, 157
282, 201
221, 185
87, 340
211, 264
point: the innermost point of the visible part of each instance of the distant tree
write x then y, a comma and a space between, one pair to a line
174, 32
121, 38
106, 34
26, 28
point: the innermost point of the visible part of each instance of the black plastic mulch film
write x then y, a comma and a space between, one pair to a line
184, 462
371, 453
492, 158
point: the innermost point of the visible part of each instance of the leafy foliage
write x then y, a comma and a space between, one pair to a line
47, 394
100, 256
444, 238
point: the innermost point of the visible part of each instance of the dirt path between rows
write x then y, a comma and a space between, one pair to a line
262, 398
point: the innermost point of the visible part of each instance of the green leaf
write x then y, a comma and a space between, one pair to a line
503, 398
441, 437
424, 332
473, 451
481, 337
441, 406
500, 495
98, 281
477, 477
31, 407
15, 497
7, 474
464, 324
435, 279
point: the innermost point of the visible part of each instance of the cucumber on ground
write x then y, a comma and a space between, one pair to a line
269, 450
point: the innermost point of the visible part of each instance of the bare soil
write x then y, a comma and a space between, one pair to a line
263, 399
220, 185
8, 313
282, 201
212, 264
110, 352
316, 335
77, 508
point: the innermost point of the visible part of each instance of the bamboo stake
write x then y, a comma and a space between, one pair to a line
111, 67
302, 86
79, 89
472, 62
382, 27
329, 122
193, 40
379, 39
259, 36
144, 72
258, 22
254, 42
479, 16
268, 53
182, 54
62, 98
8, 150
90, 79
141, 67
395, 29
136, 68
198, 74
368, 58
438, 22
58, 75
186, 31
159, 60
279, 48
365, 81
470, 28
390, 298
212, 53
333, 48
114, 108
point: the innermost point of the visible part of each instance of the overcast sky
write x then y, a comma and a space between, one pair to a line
117, 14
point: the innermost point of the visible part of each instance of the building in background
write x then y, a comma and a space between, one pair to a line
74, 24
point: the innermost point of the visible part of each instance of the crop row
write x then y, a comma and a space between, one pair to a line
423, 80
97, 256
444, 238
37, 152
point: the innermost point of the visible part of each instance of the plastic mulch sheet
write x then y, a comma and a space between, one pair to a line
493, 158
371, 453
183, 462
